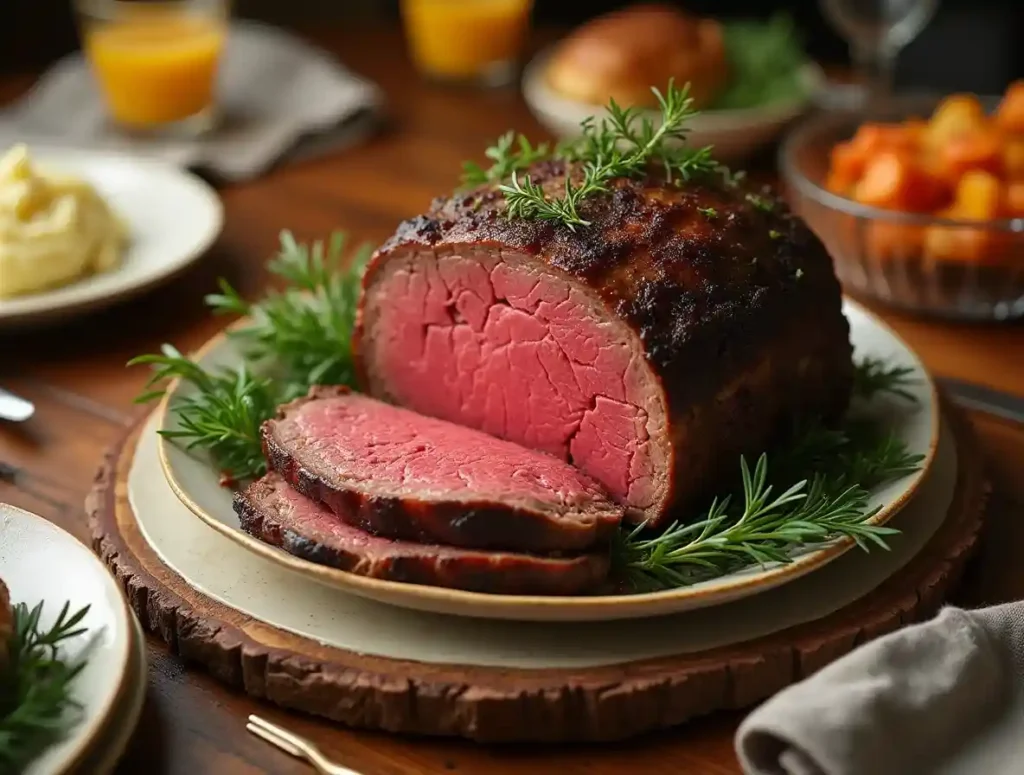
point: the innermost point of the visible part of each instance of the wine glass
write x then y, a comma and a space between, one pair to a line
877, 30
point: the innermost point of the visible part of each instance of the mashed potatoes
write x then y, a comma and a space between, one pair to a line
53, 229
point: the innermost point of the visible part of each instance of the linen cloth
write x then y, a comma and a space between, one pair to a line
943, 696
277, 95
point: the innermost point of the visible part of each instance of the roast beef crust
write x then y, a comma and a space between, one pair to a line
733, 297
466, 523
500, 574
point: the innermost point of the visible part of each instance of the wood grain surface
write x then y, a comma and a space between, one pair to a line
76, 376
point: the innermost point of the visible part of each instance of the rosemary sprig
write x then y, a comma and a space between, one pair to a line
624, 144
873, 376
298, 337
224, 413
37, 686
831, 471
305, 329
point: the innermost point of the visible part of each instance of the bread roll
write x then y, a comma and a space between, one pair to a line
623, 54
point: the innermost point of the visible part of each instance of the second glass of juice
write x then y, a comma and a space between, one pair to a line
467, 40
156, 62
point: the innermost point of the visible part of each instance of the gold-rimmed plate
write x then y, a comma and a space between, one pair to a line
197, 484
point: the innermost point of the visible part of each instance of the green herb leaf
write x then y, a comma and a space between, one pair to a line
874, 376
824, 475
624, 144
37, 706
298, 337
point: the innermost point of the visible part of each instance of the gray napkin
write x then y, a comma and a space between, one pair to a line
945, 696
277, 95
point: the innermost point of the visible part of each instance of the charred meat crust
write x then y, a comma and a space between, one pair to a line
733, 297
492, 573
464, 523
704, 272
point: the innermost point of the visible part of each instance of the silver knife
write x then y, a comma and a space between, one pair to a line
15, 408
984, 399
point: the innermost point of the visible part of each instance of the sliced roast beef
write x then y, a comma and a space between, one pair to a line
272, 511
684, 326
404, 475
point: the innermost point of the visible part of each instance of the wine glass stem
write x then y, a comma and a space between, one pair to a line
875, 63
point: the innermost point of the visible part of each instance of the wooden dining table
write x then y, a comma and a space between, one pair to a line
76, 375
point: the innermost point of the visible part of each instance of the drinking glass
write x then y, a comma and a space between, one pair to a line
156, 62
876, 31
467, 40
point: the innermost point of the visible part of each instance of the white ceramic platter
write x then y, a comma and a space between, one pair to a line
197, 485
172, 217
41, 562
265, 591
735, 134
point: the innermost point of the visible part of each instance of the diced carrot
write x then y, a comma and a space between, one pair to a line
897, 182
1010, 113
1013, 158
895, 241
979, 196
980, 150
846, 167
872, 138
956, 115
1013, 199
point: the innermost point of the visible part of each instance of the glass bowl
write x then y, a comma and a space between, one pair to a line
918, 262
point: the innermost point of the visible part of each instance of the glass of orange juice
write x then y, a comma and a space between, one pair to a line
156, 62
467, 40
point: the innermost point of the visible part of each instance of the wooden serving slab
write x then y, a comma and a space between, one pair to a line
492, 703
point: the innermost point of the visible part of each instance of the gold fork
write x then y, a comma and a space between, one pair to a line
296, 746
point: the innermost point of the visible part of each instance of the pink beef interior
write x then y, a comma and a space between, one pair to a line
498, 341
388, 448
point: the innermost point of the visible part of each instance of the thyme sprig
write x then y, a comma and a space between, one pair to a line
37, 685
626, 143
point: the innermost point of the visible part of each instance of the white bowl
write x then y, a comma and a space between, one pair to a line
735, 134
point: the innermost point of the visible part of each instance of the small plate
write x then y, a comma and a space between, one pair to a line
172, 217
31, 550
735, 134
197, 485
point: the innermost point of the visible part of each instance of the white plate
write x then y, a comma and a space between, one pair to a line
265, 591
197, 484
41, 562
172, 216
735, 134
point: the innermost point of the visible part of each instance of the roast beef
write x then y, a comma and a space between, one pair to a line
272, 511
404, 475
684, 326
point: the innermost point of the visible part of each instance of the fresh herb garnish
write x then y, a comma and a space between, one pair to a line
294, 338
773, 234
874, 376
305, 329
624, 144
36, 696
510, 153
827, 473
708, 212
224, 413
